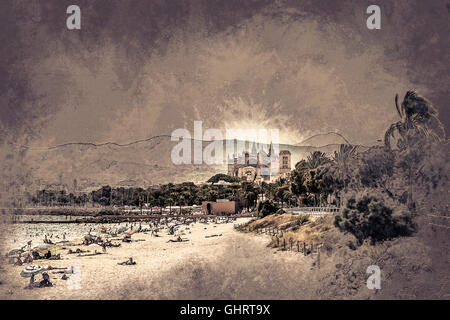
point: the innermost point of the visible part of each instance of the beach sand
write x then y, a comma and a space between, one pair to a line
159, 264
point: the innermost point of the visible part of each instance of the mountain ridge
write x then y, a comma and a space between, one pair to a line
138, 163
112, 143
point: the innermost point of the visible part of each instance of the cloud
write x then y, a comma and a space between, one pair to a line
302, 68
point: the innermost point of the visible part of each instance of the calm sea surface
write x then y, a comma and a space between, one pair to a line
14, 236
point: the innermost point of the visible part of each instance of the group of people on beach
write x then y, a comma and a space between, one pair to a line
27, 254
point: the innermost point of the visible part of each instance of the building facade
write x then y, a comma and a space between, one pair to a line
220, 207
258, 166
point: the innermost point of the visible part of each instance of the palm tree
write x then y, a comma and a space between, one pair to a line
419, 119
341, 160
171, 199
316, 159
417, 115
181, 200
304, 177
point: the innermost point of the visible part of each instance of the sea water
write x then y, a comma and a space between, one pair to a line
15, 236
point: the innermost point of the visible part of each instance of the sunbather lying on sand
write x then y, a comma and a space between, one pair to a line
76, 251
129, 262
178, 239
213, 235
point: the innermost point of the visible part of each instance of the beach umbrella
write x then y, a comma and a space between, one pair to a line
32, 270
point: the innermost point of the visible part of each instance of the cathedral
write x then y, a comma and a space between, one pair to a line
260, 166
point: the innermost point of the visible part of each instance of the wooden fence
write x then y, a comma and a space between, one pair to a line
280, 241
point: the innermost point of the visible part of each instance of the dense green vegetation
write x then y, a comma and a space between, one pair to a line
161, 196
384, 188
266, 208
223, 177
373, 217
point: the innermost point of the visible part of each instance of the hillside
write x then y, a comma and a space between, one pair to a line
412, 267
81, 167
323, 139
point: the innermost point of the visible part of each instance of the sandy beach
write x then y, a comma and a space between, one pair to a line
158, 262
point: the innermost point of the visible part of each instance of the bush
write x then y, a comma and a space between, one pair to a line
267, 207
373, 217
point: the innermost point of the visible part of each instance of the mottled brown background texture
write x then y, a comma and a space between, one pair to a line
142, 68
138, 69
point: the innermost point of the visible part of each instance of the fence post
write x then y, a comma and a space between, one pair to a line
278, 241
304, 248
318, 256
284, 244
298, 246
290, 244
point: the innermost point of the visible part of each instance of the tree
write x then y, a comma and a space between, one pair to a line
308, 177
297, 178
419, 124
341, 162
369, 215
224, 177
181, 201
248, 194
417, 115
316, 159
266, 208
375, 169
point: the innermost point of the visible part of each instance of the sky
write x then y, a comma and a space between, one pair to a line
137, 69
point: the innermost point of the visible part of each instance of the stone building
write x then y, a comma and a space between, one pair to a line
260, 166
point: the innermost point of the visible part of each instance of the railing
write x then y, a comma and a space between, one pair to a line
315, 211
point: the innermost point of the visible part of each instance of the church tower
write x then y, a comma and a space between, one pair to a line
285, 161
